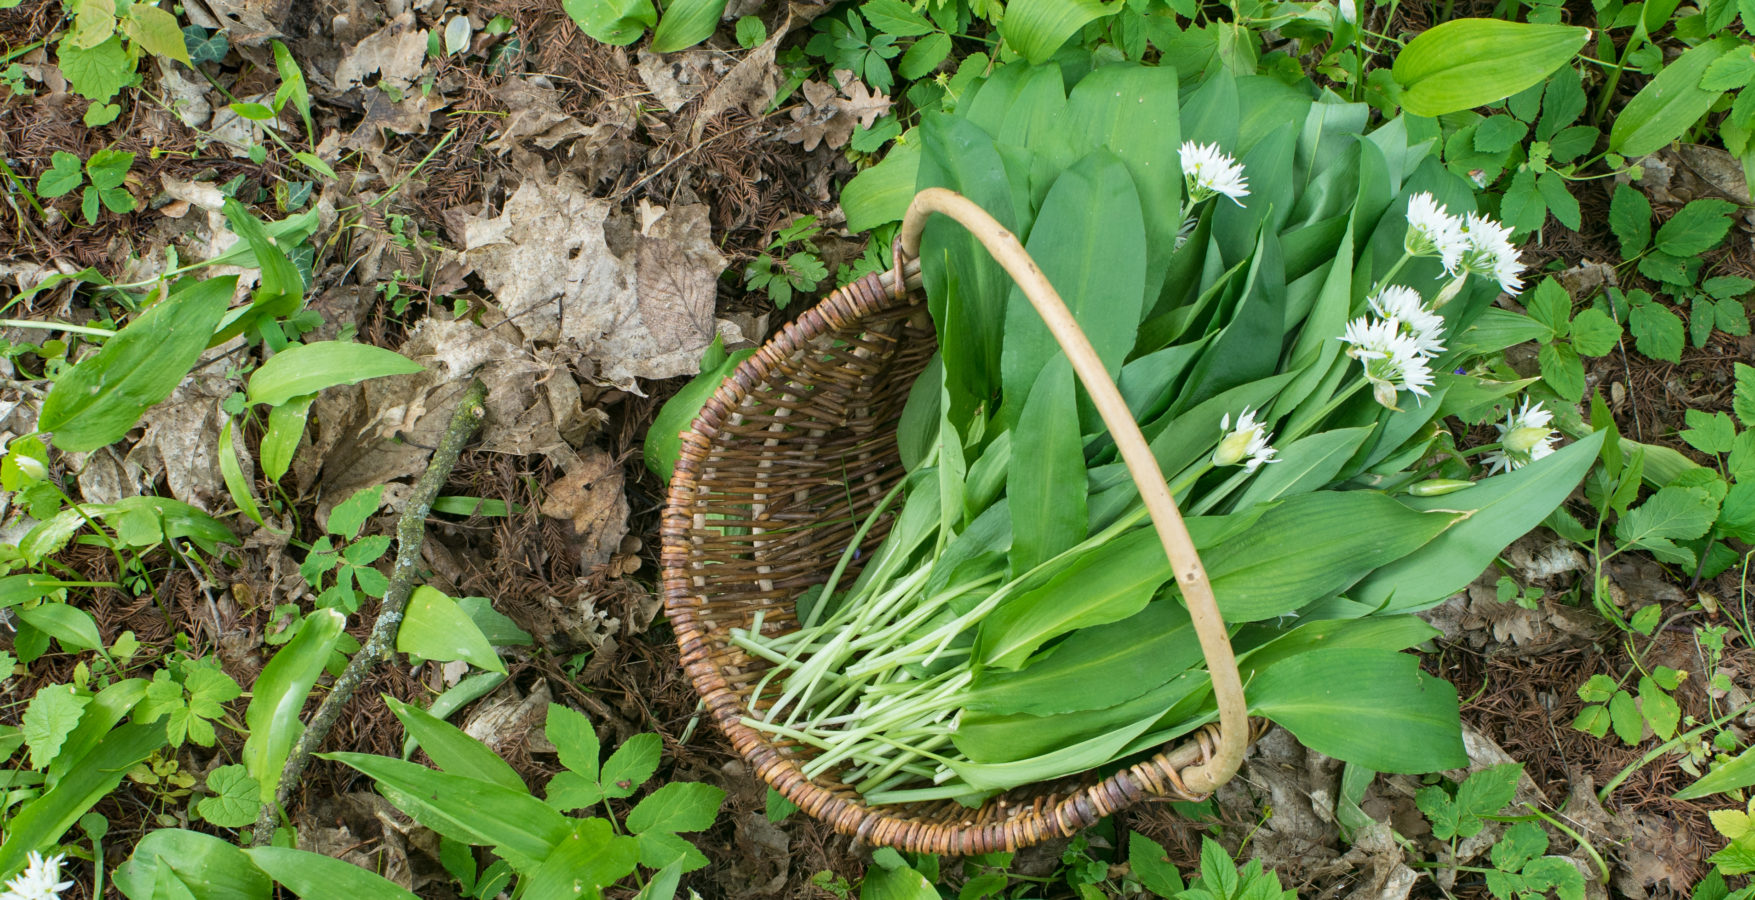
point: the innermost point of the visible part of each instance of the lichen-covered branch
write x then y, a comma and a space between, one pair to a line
410, 532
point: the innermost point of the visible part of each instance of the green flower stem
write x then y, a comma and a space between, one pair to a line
42, 325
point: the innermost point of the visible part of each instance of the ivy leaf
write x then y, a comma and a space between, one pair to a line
1657, 332
62, 176
108, 168
51, 716
1596, 689
204, 46
751, 32
1630, 219
96, 73
1696, 228
1553, 873
155, 30
236, 798
1518, 845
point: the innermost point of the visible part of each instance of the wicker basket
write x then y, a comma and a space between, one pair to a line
785, 460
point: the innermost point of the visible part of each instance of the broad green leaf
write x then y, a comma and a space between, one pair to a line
39, 824
1095, 667
63, 175
465, 808
315, 876
1672, 514
1304, 465
899, 883
659, 850
1152, 866
679, 806
198, 865
279, 695
1630, 219
1624, 717
1743, 398
233, 473
96, 73
350, 515
1696, 228
618, 22
156, 31
294, 90
686, 23
1037, 28
663, 439
1657, 332
1736, 774
588, 857
1108, 584
1562, 370
1669, 104
281, 290
1090, 241
1132, 111
452, 750
1046, 482
1709, 432
881, 193
73, 627
286, 426
922, 58
1594, 333
435, 628
100, 399
664, 884
105, 710
51, 716
1311, 546
1500, 510
1658, 708
1465, 63
236, 800
470, 689
1371, 707
308, 368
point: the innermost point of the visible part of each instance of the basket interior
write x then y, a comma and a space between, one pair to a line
787, 460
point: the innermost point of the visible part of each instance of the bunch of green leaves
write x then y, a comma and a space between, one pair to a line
345, 559
474, 798
102, 175
1015, 491
1563, 335
1522, 870
1538, 142
1611, 705
100, 52
1219, 878
1738, 826
778, 272
1673, 258
84, 739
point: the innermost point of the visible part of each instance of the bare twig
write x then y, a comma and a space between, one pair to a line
410, 531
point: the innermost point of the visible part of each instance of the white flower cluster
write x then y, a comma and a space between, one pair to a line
1396, 348
38, 881
1524, 438
1208, 171
1471, 245
1246, 445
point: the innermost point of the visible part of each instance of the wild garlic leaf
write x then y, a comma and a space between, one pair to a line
1743, 400
51, 716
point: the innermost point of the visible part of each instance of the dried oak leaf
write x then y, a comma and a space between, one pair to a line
676, 78
592, 497
833, 112
395, 52
182, 440
751, 84
635, 298
535, 116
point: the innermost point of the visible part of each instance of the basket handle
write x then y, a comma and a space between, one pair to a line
1191, 577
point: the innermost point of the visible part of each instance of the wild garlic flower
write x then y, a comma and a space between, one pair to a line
1405, 306
1524, 438
1245, 445
1433, 231
1207, 171
1392, 360
1489, 252
38, 881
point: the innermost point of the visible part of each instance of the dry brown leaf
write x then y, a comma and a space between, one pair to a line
182, 440
506, 720
395, 53
676, 78
413, 115
592, 497
636, 301
833, 111
535, 116
247, 22
751, 84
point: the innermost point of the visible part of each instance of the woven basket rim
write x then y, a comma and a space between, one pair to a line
1155, 778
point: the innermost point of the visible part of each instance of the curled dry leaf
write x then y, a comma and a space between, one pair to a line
676, 78
750, 85
182, 440
635, 298
248, 22
506, 720
535, 116
592, 497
